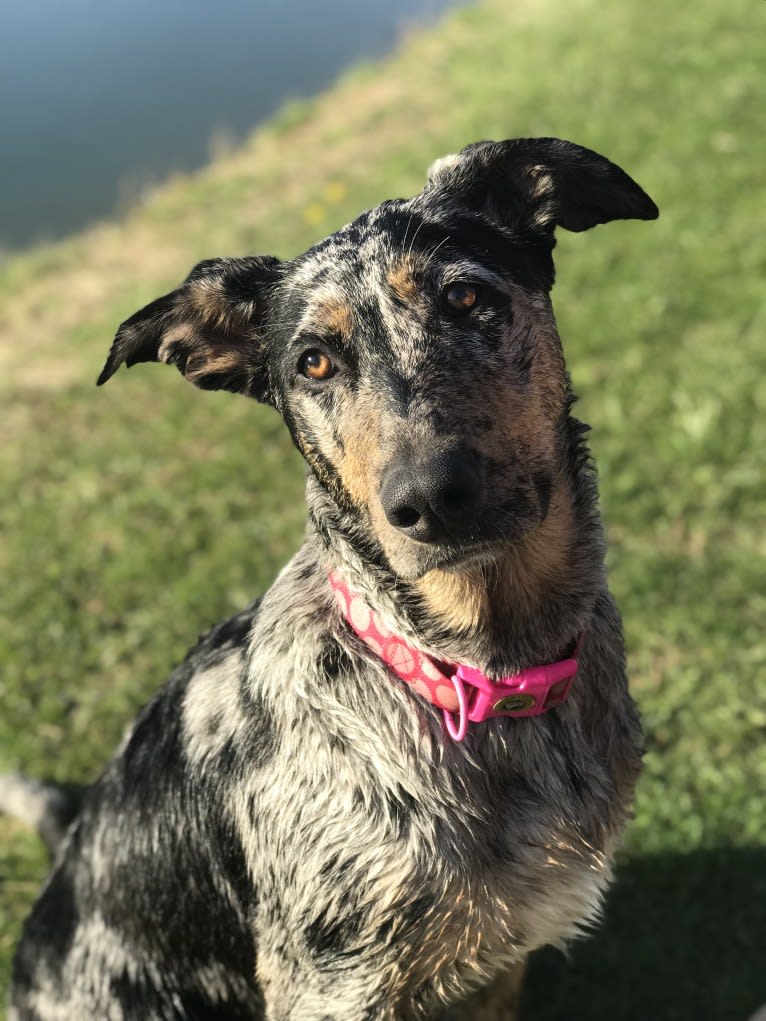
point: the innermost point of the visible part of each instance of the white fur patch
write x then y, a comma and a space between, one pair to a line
212, 709
443, 167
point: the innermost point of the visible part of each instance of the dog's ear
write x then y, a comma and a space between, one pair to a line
210, 328
541, 183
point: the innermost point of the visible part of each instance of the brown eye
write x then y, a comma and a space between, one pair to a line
460, 298
316, 364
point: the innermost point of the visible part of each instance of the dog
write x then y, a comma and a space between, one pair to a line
373, 792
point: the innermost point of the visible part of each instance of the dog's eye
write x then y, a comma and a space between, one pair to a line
459, 298
315, 364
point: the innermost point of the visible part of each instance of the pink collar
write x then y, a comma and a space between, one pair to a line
529, 693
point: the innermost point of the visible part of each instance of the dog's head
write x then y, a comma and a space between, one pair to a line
413, 354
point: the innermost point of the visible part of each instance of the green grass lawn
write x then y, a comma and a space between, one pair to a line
135, 517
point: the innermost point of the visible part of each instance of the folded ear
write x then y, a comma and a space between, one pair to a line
210, 328
541, 183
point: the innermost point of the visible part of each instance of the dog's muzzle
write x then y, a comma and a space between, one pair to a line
435, 499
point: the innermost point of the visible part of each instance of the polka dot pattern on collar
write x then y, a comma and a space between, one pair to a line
412, 666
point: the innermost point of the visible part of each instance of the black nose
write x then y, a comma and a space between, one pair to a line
434, 499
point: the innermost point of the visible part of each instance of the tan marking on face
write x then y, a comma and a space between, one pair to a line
402, 280
542, 555
528, 421
459, 600
361, 462
334, 315
548, 370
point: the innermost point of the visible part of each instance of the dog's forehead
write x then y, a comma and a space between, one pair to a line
361, 252
404, 247
357, 281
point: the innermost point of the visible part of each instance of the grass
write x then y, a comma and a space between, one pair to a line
137, 516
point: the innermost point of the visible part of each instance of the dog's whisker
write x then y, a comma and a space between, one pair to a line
414, 238
431, 255
406, 230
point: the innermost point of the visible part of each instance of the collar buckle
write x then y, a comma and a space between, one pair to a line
529, 693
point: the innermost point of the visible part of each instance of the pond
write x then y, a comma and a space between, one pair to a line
100, 99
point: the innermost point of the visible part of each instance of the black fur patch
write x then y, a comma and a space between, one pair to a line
51, 928
331, 937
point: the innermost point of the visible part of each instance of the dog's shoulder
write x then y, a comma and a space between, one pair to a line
207, 719
173, 771
154, 848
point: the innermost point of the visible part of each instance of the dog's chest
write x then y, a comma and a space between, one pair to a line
426, 889
474, 896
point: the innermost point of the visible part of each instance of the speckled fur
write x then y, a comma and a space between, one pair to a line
286, 833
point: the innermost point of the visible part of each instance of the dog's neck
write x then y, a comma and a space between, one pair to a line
522, 609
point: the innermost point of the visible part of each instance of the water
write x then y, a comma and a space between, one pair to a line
100, 98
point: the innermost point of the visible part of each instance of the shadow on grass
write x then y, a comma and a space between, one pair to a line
683, 939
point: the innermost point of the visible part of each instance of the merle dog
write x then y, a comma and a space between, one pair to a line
348, 802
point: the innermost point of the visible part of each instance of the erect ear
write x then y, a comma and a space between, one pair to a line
541, 183
210, 328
